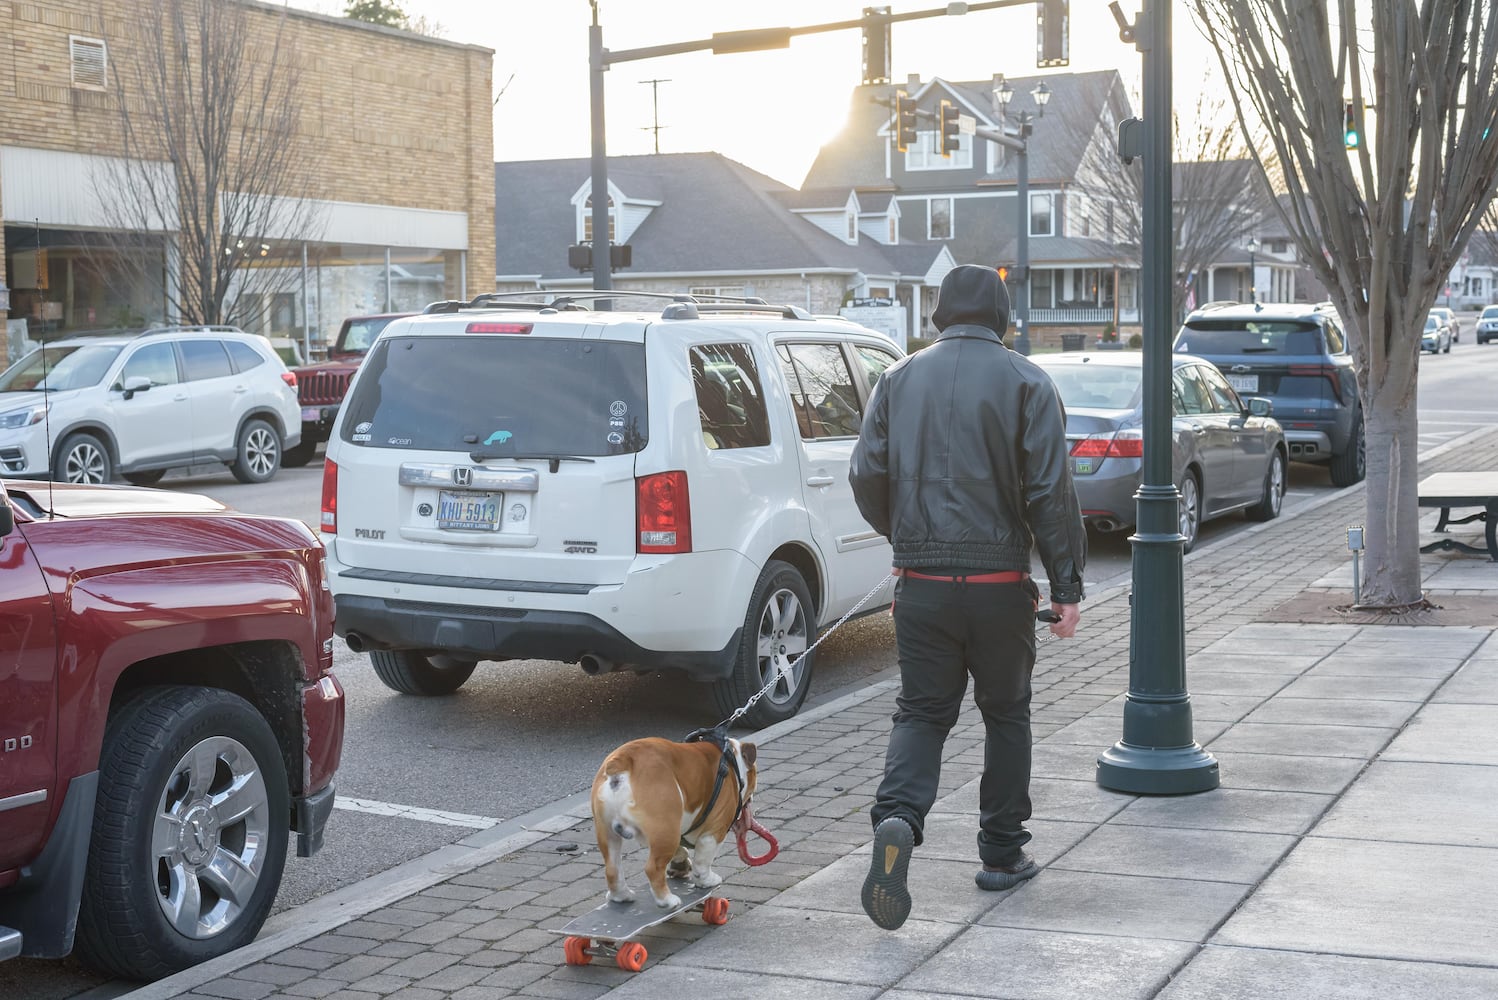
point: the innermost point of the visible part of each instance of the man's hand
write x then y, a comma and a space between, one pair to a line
1070, 616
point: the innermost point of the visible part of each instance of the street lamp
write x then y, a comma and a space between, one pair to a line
1253, 248
1042, 96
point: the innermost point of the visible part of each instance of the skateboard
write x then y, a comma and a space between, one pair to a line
608, 929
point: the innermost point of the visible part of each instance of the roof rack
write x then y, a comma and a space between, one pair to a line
192, 328
694, 310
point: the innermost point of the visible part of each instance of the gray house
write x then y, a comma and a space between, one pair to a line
702, 223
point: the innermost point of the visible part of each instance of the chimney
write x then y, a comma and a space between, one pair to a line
912, 83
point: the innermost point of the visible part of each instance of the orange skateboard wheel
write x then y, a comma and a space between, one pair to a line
715, 910
575, 949
631, 957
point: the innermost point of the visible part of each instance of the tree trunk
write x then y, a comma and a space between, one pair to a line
1391, 570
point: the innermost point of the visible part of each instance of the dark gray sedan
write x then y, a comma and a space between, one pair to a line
1229, 453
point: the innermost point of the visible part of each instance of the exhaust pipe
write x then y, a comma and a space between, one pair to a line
593, 664
356, 642
1106, 524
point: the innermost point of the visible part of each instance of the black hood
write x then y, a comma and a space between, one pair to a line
972, 294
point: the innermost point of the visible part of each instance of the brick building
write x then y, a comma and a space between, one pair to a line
399, 145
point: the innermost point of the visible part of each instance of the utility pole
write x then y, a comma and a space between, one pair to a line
655, 108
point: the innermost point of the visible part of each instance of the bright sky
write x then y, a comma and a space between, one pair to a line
770, 110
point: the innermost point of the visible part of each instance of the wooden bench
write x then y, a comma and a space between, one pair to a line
1462, 489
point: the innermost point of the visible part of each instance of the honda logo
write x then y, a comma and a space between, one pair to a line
463, 476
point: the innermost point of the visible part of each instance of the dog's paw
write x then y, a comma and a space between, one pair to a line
706, 879
679, 869
671, 901
624, 894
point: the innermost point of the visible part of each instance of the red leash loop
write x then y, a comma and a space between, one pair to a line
766, 836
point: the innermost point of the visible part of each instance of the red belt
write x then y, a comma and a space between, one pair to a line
1008, 576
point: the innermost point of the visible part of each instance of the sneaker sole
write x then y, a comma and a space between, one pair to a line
885, 898
997, 881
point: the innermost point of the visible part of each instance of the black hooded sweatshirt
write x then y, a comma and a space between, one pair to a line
962, 458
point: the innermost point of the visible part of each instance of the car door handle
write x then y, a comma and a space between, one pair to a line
241, 388
182, 398
1195, 426
820, 480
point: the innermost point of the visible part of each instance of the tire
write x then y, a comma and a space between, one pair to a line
409, 672
779, 627
1190, 519
295, 458
259, 453
1349, 467
141, 869
82, 458
145, 478
1268, 507
1448, 346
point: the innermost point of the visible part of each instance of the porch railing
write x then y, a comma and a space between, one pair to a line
1082, 317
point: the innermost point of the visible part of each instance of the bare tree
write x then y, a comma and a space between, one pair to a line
1394, 214
1220, 198
209, 99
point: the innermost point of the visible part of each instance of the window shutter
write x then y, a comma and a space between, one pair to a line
88, 57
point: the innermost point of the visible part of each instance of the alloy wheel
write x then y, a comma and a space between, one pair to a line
783, 636
84, 464
1190, 513
260, 451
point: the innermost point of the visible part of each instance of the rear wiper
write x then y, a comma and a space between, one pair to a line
555, 460
1261, 350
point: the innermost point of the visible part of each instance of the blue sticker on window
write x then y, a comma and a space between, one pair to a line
498, 436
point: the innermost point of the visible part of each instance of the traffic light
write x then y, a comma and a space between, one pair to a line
904, 121
1003, 272
875, 45
1350, 126
1053, 33
948, 130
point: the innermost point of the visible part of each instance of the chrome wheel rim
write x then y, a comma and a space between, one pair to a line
782, 638
210, 836
260, 451
84, 463
1188, 515
1276, 484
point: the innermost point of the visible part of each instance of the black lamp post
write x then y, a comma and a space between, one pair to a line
1253, 248
1157, 754
1026, 125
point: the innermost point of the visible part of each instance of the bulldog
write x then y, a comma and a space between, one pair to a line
682, 799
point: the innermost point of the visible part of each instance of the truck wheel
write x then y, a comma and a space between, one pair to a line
259, 454
1350, 466
295, 458
412, 673
189, 833
82, 459
779, 627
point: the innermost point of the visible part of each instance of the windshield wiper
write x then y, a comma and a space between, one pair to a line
555, 460
1261, 350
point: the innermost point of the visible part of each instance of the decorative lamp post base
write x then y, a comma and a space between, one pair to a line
1152, 771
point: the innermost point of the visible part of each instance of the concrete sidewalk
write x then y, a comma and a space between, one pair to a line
1351, 852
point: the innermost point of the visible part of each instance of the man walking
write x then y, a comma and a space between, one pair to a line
962, 464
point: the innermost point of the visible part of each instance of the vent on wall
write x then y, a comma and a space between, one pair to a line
88, 56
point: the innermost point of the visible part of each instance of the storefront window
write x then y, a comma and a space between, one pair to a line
68, 281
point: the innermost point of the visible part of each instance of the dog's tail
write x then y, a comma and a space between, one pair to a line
616, 795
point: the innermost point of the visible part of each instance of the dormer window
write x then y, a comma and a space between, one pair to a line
852, 228
588, 221
925, 155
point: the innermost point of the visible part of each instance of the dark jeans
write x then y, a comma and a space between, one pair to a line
944, 632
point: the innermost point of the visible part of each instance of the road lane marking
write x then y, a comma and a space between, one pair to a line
374, 808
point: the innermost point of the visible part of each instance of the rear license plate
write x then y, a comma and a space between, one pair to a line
1244, 383
311, 414
468, 511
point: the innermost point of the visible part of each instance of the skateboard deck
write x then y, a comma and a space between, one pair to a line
611, 925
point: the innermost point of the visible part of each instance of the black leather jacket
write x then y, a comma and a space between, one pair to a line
962, 463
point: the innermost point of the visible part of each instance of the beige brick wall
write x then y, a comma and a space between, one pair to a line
387, 117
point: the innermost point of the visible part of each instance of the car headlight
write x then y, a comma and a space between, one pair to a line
23, 417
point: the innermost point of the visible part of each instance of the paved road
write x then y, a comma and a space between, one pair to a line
418, 773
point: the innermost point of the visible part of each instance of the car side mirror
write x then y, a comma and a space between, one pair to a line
7, 516
1258, 406
134, 384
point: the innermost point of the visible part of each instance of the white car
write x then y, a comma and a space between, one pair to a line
659, 489
86, 409
1487, 324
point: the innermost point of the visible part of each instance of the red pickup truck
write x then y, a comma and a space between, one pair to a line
321, 387
168, 716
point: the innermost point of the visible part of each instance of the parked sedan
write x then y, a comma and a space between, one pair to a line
1228, 453
1487, 324
1450, 318
1437, 335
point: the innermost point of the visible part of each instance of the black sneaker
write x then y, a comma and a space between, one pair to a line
995, 878
885, 898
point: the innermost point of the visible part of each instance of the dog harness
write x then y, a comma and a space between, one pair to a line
729, 761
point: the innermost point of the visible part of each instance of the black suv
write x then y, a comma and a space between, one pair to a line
1296, 355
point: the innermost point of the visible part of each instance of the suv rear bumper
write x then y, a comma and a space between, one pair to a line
1308, 445
513, 634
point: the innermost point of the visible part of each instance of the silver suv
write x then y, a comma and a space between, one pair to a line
85, 409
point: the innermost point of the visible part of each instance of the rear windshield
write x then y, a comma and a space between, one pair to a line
1099, 387
1236, 336
504, 396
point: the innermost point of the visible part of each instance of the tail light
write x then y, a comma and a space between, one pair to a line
1124, 444
329, 497
1331, 373
663, 513
289, 378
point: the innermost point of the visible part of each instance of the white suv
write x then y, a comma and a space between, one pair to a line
83, 409
657, 489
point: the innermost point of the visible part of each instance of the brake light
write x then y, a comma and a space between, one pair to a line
499, 327
289, 378
663, 513
1124, 444
329, 497
1331, 373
